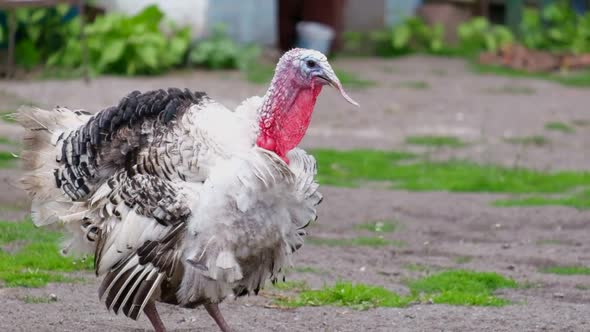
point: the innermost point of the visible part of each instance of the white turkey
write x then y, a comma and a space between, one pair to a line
180, 199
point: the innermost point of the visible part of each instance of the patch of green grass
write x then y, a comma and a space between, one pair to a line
7, 159
360, 241
579, 200
346, 294
463, 287
537, 140
30, 299
567, 270
511, 89
559, 126
36, 258
379, 226
7, 116
455, 287
405, 171
582, 287
414, 85
436, 141
578, 78
462, 259
292, 285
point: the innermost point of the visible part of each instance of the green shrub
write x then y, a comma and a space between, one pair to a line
478, 34
120, 44
556, 28
410, 36
42, 32
219, 51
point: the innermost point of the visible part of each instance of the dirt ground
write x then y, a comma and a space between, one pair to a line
437, 227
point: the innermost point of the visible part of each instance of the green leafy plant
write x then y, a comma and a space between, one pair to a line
478, 34
410, 36
219, 51
556, 28
42, 31
121, 44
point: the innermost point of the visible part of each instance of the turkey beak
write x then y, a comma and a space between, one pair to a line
331, 79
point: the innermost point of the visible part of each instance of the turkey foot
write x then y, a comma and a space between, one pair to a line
152, 314
213, 310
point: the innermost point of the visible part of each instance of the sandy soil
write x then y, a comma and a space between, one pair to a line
436, 227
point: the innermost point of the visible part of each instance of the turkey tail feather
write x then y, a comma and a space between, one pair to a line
43, 131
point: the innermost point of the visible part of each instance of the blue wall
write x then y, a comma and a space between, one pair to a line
397, 10
246, 21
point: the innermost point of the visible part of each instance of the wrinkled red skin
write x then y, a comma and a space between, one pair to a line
288, 123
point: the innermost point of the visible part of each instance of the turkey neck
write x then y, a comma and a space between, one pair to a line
285, 115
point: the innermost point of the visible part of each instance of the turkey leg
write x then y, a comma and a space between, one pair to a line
213, 310
152, 314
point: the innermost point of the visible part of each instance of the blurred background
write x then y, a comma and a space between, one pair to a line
457, 199
150, 37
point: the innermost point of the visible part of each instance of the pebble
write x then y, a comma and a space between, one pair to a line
559, 295
506, 246
53, 297
389, 273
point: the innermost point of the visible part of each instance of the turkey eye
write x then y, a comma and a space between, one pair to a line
311, 64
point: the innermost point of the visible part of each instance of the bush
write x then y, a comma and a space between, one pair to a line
42, 33
478, 34
119, 44
219, 51
413, 35
557, 28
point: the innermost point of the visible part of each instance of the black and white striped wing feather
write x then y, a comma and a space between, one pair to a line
144, 219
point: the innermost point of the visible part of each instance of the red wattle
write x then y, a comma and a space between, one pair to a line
289, 119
